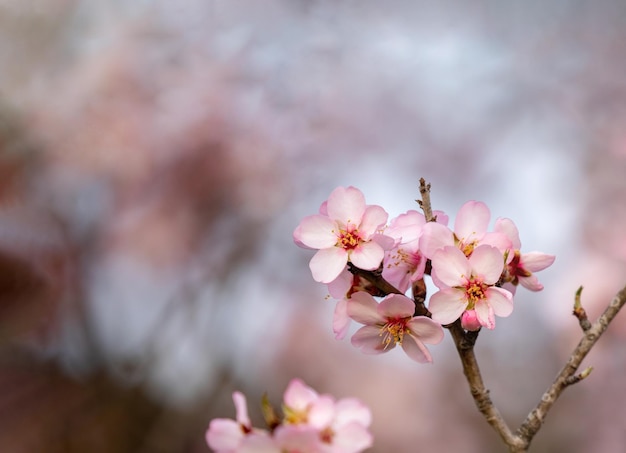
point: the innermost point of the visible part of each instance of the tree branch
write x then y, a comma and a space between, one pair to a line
566, 377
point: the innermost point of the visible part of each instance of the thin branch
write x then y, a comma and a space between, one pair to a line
535, 418
375, 278
464, 342
425, 201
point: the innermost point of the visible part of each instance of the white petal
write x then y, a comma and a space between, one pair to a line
374, 218
316, 231
451, 266
367, 256
471, 221
447, 305
346, 205
487, 262
327, 264
501, 301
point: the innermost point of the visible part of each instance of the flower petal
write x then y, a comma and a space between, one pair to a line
485, 315
298, 395
447, 305
536, 261
425, 329
327, 264
364, 309
435, 236
451, 266
348, 410
316, 232
241, 409
341, 320
224, 434
486, 262
374, 218
346, 205
352, 438
416, 350
369, 340
471, 221
396, 306
501, 301
367, 256
531, 283
508, 228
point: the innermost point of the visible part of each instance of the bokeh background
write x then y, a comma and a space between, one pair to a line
156, 156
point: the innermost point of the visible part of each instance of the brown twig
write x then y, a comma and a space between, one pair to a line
566, 377
425, 201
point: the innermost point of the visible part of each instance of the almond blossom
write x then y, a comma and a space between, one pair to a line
390, 323
467, 284
341, 426
470, 231
405, 263
520, 267
345, 230
226, 435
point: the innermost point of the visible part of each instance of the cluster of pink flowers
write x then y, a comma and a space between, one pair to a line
311, 423
475, 270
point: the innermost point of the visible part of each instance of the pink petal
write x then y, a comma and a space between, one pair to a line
341, 320
471, 221
501, 301
321, 412
367, 256
327, 264
298, 395
224, 434
352, 438
536, 261
451, 266
258, 443
485, 315
297, 438
407, 227
425, 329
434, 237
396, 306
447, 305
486, 262
442, 217
531, 283
340, 286
316, 232
348, 410
374, 218
469, 320
416, 350
241, 409
369, 340
497, 240
364, 309
508, 228
346, 205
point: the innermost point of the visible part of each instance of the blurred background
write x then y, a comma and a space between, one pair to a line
156, 156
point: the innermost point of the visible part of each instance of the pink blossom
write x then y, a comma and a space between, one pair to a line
405, 263
468, 284
470, 231
391, 322
345, 230
226, 435
340, 426
520, 267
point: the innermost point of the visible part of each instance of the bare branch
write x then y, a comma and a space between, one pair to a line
464, 342
425, 201
566, 377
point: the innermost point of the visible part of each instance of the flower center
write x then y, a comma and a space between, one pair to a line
475, 290
348, 239
393, 331
295, 417
410, 259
